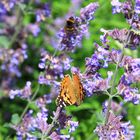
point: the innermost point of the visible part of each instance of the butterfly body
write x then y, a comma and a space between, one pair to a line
72, 92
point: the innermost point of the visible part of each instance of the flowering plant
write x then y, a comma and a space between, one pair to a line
110, 74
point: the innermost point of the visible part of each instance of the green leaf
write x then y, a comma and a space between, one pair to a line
7, 125
22, 6
15, 119
4, 42
100, 117
37, 134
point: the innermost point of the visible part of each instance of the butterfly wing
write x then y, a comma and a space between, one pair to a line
66, 96
79, 90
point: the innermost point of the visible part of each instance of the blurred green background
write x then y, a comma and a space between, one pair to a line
87, 113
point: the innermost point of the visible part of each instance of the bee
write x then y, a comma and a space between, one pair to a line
70, 33
71, 26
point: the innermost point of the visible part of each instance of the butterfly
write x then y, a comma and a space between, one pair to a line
71, 91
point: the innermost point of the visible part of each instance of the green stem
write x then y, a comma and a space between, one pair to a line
115, 76
18, 27
56, 115
116, 71
108, 109
113, 85
27, 106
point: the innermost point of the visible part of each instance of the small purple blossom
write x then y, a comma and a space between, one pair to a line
6, 6
96, 84
24, 93
116, 6
11, 60
43, 12
132, 69
25, 126
100, 59
128, 93
73, 125
2, 9
41, 102
137, 6
30, 124
115, 129
132, 38
117, 34
70, 36
131, 75
40, 121
55, 136
54, 67
34, 29
128, 10
76, 28
63, 119
86, 13
115, 107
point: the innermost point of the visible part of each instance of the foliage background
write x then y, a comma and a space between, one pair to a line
87, 113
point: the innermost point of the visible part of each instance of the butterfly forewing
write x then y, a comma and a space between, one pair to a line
79, 88
71, 92
64, 97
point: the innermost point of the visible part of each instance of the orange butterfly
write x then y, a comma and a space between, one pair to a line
72, 92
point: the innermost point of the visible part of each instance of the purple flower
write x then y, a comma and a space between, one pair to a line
134, 40
130, 37
25, 126
41, 102
76, 28
124, 7
128, 10
99, 59
43, 12
129, 94
55, 136
86, 13
96, 84
34, 29
132, 68
116, 6
115, 107
115, 129
2, 9
40, 121
6, 6
24, 93
54, 67
124, 88
11, 59
63, 119
70, 36
103, 38
30, 124
137, 6
117, 34
73, 125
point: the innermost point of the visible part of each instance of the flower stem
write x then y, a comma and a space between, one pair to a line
18, 27
27, 106
108, 109
116, 71
57, 114
113, 85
